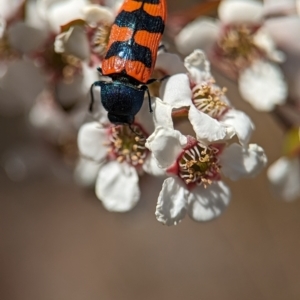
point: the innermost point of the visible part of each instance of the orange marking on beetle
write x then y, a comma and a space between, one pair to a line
113, 65
147, 39
155, 9
119, 34
133, 68
138, 70
131, 6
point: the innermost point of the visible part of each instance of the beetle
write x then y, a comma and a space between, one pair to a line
130, 58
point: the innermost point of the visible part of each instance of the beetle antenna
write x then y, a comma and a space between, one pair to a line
132, 130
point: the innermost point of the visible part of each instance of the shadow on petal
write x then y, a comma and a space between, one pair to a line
205, 204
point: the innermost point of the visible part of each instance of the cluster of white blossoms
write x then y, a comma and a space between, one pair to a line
49, 52
47, 63
194, 162
239, 45
242, 43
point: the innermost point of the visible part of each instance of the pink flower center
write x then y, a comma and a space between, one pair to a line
199, 164
238, 45
128, 144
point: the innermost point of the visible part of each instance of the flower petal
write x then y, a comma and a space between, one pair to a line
58, 13
263, 86
263, 40
86, 172
91, 139
284, 32
166, 144
198, 66
238, 162
150, 166
171, 204
112, 179
49, 118
201, 33
74, 42
169, 63
145, 118
206, 128
25, 38
205, 204
284, 176
69, 93
241, 123
95, 14
240, 11
162, 113
21, 84
8, 7
279, 7
176, 91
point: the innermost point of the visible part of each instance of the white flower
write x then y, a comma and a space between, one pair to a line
56, 124
17, 36
86, 172
262, 78
284, 30
70, 77
121, 153
196, 166
19, 86
284, 176
87, 37
8, 8
25, 38
235, 45
208, 106
169, 63
279, 7
58, 13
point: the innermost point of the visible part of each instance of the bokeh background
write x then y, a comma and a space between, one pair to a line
58, 243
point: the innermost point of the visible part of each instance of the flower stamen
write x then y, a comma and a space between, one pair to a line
209, 99
199, 165
100, 39
238, 45
6, 51
128, 145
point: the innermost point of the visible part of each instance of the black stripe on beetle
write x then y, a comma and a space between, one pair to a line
130, 51
140, 20
148, 1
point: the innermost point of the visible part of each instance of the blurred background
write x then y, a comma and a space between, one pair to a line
58, 242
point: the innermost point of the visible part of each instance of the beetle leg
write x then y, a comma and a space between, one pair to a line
145, 88
162, 47
96, 83
99, 69
149, 99
157, 80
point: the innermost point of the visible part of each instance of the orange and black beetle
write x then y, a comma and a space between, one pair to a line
130, 58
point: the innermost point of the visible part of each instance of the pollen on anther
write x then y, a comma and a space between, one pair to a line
199, 165
126, 146
210, 99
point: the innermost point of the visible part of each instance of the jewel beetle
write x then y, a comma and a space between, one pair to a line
130, 58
